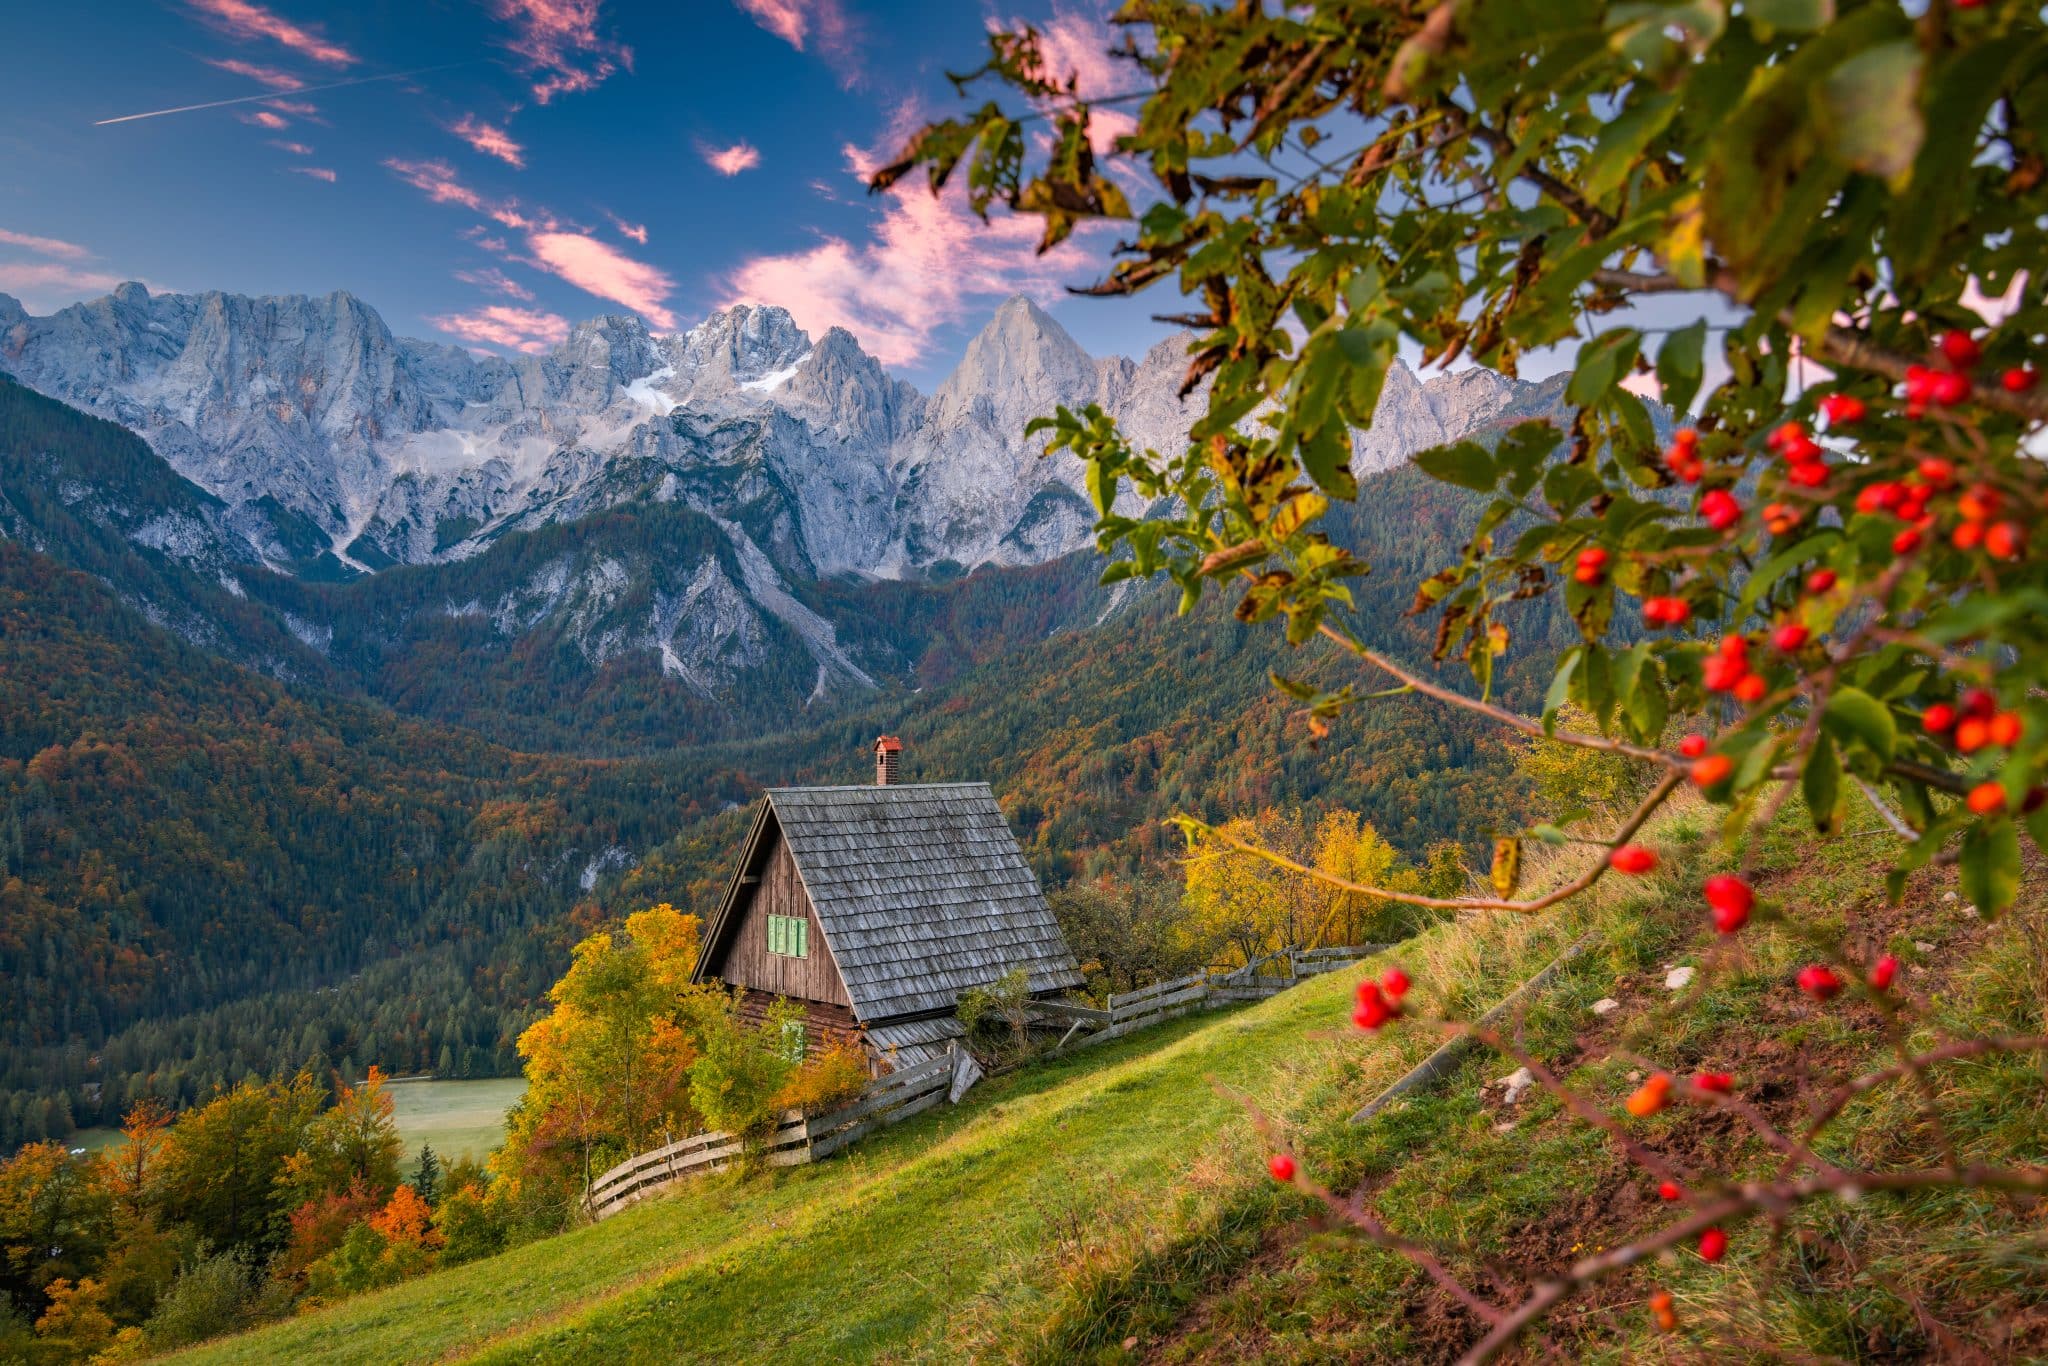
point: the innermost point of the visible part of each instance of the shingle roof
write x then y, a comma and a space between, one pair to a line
922, 893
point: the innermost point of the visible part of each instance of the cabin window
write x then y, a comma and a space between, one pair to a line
793, 1040
789, 936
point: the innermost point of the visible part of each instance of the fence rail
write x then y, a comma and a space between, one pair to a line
1131, 1011
796, 1140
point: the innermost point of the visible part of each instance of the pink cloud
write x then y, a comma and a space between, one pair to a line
929, 263
636, 231
741, 156
490, 141
603, 270
562, 45
265, 75
297, 149
517, 329
53, 280
575, 256
436, 180
316, 172
241, 19
496, 281
263, 118
822, 24
299, 107
45, 246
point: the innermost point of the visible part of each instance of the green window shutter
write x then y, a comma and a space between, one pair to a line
775, 934
803, 937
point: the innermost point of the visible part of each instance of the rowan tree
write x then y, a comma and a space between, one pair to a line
1803, 227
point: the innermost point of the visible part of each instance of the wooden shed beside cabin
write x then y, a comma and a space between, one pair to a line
874, 908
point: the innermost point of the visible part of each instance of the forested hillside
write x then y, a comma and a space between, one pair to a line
209, 870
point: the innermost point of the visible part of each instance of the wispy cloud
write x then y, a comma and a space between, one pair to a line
297, 149
241, 19
262, 75
1074, 47
491, 141
929, 263
519, 329
821, 26
560, 249
45, 246
741, 156
564, 49
601, 269
316, 172
263, 118
53, 281
302, 108
636, 231
496, 281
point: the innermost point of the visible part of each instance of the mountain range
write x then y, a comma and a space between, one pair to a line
718, 476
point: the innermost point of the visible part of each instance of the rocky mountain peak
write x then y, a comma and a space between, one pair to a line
741, 345
1021, 352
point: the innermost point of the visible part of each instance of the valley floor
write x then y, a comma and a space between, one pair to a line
1113, 1206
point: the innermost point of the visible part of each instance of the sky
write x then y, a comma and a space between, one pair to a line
489, 172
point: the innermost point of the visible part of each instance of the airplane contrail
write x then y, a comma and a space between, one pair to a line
284, 94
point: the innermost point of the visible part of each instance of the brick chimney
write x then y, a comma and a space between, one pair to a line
887, 749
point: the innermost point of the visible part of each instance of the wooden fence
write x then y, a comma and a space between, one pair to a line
1131, 1011
797, 1139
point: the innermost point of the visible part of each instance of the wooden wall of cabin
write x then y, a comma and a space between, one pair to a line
824, 1023
748, 963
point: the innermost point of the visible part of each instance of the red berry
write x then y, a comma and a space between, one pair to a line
1950, 389
1670, 1190
2020, 378
1729, 896
1791, 636
1919, 384
1819, 981
1972, 734
1720, 1082
1820, 580
1980, 504
1719, 509
1808, 476
1937, 718
1883, 971
1986, 799
1751, 689
1632, 859
1879, 497
1374, 1010
2005, 729
1666, 611
1395, 983
1282, 1166
2005, 540
1960, 349
1693, 746
1981, 702
1841, 409
1722, 672
1713, 1245
1937, 472
1712, 769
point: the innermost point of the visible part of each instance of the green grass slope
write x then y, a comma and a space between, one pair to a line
1113, 1206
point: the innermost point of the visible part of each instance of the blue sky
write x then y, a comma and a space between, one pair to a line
543, 162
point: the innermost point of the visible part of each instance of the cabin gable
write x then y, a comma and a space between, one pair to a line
771, 941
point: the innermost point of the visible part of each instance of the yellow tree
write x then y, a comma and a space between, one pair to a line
606, 1068
1258, 906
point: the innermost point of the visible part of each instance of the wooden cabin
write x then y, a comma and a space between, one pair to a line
874, 908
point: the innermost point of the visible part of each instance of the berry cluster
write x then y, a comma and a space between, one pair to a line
1380, 1002
1974, 723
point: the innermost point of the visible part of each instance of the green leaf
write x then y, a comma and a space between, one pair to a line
1466, 464
1622, 142
1560, 690
1775, 568
1871, 109
1854, 714
1798, 16
1602, 361
1821, 783
1679, 366
1991, 865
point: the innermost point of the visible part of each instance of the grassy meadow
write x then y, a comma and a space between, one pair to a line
458, 1118
1113, 1205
